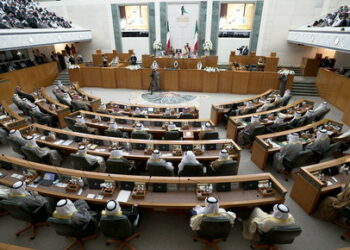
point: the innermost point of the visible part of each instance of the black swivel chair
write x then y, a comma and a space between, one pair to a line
213, 230
276, 235
70, 122
79, 233
322, 114
141, 135
192, 170
30, 155
186, 116
225, 168
249, 138
119, 166
114, 133
119, 229
331, 150
81, 129
80, 163
297, 161
15, 145
158, 169
297, 123
172, 135
35, 216
286, 100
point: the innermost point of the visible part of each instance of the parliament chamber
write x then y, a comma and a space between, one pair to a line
174, 125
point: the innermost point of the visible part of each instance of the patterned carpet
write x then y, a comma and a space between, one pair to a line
168, 97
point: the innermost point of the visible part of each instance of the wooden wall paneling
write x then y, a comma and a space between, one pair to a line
7, 89
108, 77
225, 81
169, 79
97, 60
92, 76
255, 82
190, 80
346, 114
74, 76
210, 81
269, 80
122, 78
240, 82
134, 79
271, 63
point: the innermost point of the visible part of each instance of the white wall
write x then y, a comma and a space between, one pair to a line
226, 45
140, 45
281, 15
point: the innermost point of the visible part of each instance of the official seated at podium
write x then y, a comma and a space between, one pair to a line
53, 155
92, 160
79, 212
290, 150
321, 144
113, 209
259, 220
189, 158
113, 130
211, 209
206, 132
140, 133
156, 158
133, 59
32, 200
244, 136
81, 127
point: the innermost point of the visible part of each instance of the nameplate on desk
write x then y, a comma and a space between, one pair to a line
67, 142
123, 196
58, 142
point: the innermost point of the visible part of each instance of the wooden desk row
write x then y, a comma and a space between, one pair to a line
219, 109
152, 111
308, 189
184, 63
237, 123
181, 192
335, 88
238, 82
59, 111
10, 119
154, 126
262, 151
66, 141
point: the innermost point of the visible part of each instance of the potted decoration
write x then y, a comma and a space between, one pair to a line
157, 46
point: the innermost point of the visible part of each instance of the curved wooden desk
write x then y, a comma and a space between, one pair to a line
219, 109
308, 189
261, 149
152, 125
237, 123
166, 147
181, 190
184, 63
10, 119
60, 110
153, 111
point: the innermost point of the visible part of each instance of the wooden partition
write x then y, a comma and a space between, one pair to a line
310, 66
271, 62
335, 88
238, 82
29, 79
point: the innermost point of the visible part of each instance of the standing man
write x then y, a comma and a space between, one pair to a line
155, 78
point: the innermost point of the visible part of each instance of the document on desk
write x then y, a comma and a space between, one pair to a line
67, 142
59, 142
123, 196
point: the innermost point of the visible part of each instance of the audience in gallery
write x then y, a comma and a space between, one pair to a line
339, 18
28, 14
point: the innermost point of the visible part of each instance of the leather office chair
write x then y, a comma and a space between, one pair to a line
76, 106
297, 161
169, 117
345, 212
249, 138
297, 123
331, 150
322, 114
210, 135
114, 133
118, 166
80, 163
70, 122
15, 145
225, 168
192, 170
212, 230
186, 116
120, 229
158, 169
139, 116
30, 155
276, 235
79, 233
141, 135
285, 101
35, 216
172, 135
83, 129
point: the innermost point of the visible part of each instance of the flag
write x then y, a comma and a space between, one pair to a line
167, 39
196, 41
